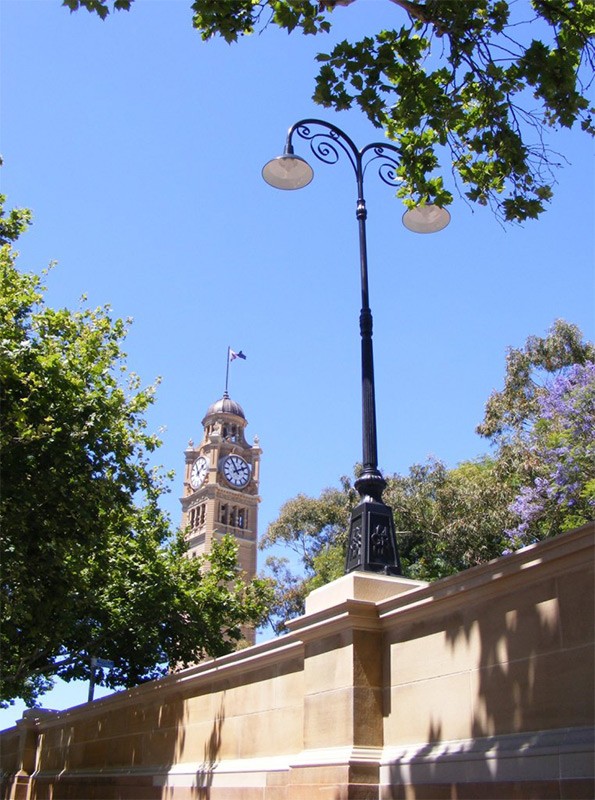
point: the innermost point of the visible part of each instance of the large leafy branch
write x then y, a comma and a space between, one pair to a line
462, 82
456, 81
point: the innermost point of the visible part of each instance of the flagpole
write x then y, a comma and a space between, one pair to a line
227, 370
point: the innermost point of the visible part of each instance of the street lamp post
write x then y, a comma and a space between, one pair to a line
372, 544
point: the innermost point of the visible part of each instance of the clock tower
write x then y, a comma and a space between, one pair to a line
221, 485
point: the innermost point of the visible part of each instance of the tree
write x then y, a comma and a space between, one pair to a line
539, 424
561, 494
440, 517
90, 567
539, 481
314, 529
479, 83
514, 409
449, 519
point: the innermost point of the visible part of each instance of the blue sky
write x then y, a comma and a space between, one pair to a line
139, 149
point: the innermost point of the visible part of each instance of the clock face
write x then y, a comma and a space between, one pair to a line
198, 472
236, 470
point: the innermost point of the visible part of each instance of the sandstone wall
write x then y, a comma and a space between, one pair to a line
476, 686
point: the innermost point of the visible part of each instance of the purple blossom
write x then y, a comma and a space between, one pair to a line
570, 399
563, 439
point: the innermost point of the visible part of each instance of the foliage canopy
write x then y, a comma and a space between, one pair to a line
475, 83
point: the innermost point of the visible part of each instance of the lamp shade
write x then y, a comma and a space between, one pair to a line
426, 219
287, 172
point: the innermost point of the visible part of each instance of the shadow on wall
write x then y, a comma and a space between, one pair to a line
527, 691
176, 777
151, 734
88, 757
204, 776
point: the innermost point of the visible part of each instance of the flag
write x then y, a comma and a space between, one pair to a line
233, 354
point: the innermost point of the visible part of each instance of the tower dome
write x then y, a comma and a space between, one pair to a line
226, 406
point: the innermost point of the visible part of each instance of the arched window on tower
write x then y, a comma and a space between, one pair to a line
223, 513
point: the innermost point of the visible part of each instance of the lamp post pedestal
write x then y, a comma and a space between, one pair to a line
371, 546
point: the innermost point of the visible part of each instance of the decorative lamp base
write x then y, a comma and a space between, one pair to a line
372, 546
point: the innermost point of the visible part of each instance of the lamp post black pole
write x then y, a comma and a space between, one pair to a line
372, 544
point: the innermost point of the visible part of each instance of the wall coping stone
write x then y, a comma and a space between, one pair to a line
249, 659
453, 590
369, 586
